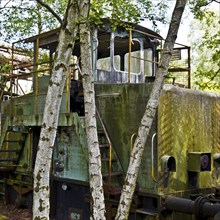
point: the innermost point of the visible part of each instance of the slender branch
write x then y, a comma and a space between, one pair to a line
50, 10
212, 78
7, 3
64, 22
17, 8
208, 3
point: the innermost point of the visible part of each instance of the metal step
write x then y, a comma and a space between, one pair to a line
12, 141
10, 154
7, 168
10, 150
103, 145
8, 160
107, 159
2, 189
101, 132
118, 173
146, 212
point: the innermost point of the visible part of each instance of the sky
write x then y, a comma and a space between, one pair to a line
184, 29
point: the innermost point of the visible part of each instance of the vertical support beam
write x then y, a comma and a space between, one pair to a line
155, 59
67, 89
189, 68
113, 76
12, 62
35, 74
95, 54
16, 84
51, 61
29, 150
129, 59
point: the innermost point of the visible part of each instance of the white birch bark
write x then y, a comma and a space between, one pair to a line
41, 203
96, 183
147, 120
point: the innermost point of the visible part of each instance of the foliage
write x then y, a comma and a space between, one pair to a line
114, 10
205, 41
198, 8
23, 18
155, 11
4, 64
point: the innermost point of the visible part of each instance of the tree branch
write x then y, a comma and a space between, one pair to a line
66, 14
7, 3
16, 8
212, 78
50, 10
209, 2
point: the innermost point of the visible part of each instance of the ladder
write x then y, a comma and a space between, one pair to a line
112, 171
2, 189
11, 148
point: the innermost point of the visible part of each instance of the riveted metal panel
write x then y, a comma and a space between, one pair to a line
188, 122
70, 159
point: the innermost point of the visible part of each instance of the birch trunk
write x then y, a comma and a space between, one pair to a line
96, 184
147, 120
41, 203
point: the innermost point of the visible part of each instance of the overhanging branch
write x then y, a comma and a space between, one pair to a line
50, 10
212, 78
6, 3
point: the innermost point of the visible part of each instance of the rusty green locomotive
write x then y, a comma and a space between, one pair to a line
179, 174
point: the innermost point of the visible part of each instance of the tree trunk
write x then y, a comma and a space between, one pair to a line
147, 120
41, 203
96, 184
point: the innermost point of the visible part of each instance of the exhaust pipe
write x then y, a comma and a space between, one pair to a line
201, 207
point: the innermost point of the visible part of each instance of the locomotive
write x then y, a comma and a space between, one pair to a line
180, 168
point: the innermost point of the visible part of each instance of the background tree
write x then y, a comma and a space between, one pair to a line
24, 18
204, 37
149, 114
199, 7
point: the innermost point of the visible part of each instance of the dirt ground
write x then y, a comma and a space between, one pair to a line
10, 212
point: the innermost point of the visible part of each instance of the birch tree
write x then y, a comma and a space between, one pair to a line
68, 31
77, 14
147, 120
96, 184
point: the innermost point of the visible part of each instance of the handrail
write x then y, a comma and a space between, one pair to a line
131, 142
109, 142
139, 58
30, 65
152, 157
